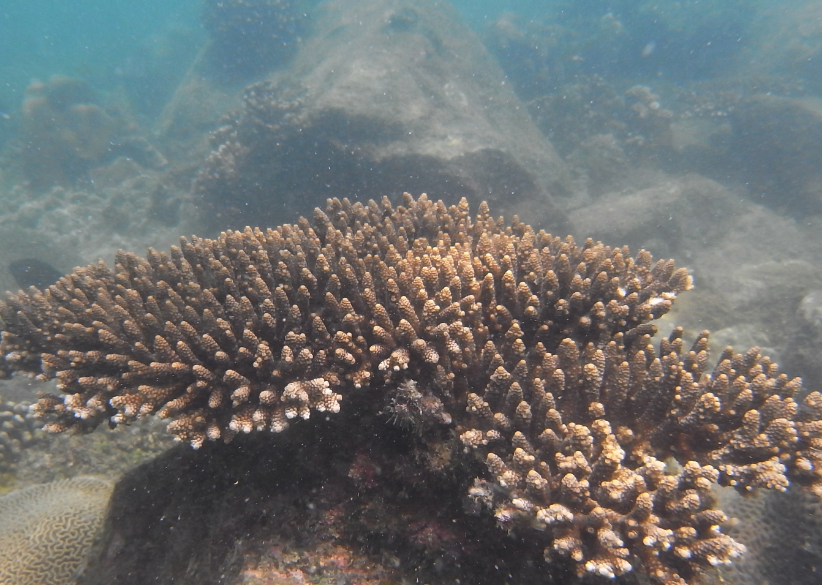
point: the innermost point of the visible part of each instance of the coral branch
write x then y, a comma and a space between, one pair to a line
535, 351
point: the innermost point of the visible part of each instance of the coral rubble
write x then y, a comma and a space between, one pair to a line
535, 351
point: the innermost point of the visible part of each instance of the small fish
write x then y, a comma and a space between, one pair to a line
33, 272
649, 49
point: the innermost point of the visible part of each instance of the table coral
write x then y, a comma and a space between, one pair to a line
532, 350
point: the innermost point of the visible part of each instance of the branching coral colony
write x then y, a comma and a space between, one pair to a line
534, 350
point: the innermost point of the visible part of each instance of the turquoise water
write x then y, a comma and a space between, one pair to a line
104, 41
86, 39
100, 41
91, 39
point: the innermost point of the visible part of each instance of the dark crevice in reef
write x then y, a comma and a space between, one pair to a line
198, 516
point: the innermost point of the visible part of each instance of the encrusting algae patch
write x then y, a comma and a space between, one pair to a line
533, 352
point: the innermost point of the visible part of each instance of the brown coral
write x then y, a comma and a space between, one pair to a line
535, 351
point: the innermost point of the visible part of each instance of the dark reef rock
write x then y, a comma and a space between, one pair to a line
386, 93
250, 37
265, 507
778, 141
34, 272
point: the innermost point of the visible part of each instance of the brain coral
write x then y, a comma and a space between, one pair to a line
783, 535
47, 530
531, 352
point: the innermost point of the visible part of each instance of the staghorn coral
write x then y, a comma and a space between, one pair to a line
47, 530
534, 350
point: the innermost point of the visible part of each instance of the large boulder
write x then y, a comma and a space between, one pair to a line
386, 96
778, 141
756, 270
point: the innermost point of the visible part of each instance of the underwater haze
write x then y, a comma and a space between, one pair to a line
490, 292
87, 39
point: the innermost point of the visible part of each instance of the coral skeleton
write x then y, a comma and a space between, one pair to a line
534, 352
